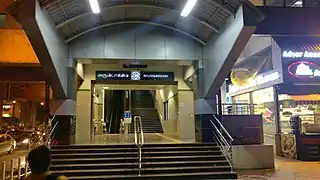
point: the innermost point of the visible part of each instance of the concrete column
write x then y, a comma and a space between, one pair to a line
186, 116
83, 122
17, 110
33, 114
25, 112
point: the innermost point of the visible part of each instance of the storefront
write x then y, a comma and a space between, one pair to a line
258, 98
279, 96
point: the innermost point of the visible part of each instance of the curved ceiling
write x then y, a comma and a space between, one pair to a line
74, 17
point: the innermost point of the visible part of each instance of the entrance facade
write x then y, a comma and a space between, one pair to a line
157, 93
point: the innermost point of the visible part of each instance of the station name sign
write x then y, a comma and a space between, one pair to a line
134, 75
299, 54
257, 81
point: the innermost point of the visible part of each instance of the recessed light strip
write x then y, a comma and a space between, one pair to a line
94, 6
188, 8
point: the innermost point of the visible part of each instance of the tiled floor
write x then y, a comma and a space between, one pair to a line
286, 170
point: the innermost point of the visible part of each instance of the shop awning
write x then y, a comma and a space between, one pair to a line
311, 97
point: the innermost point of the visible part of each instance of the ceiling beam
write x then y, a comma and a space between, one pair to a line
135, 22
138, 6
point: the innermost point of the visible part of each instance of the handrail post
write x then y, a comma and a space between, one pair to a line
11, 169
3, 170
26, 167
19, 167
224, 143
139, 140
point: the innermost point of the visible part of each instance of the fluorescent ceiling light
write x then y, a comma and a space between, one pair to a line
188, 8
94, 6
298, 3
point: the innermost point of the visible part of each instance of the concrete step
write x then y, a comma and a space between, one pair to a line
174, 176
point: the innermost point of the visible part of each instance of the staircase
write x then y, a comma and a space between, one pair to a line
142, 104
159, 161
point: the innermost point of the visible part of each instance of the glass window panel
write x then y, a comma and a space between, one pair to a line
264, 105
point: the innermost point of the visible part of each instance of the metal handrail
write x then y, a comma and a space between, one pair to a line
139, 139
223, 128
50, 134
221, 141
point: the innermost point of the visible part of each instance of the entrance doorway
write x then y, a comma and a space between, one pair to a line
112, 99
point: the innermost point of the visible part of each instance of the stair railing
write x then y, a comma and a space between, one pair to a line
49, 132
138, 139
222, 138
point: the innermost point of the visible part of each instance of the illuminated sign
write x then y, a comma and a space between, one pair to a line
134, 75
169, 76
305, 54
257, 81
304, 69
113, 75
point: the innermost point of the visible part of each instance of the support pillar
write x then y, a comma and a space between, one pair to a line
33, 114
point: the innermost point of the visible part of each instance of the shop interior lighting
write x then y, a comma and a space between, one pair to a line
94, 6
188, 8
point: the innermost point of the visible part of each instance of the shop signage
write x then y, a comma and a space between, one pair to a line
134, 75
299, 54
257, 81
304, 69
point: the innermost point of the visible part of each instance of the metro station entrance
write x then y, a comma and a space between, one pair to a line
115, 104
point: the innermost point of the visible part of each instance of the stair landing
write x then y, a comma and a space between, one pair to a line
150, 138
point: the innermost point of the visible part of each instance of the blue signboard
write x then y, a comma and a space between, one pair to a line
127, 114
127, 117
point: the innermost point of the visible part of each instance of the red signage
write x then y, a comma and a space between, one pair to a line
304, 69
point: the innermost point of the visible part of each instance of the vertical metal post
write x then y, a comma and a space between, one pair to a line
26, 167
47, 102
284, 3
3, 170
264, 2
304, 3
220, 104
251, 105
277, 121
11, 169
277, 109
19, 167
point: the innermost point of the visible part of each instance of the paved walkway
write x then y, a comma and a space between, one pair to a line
286, 170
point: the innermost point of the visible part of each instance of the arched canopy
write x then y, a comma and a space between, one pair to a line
74, 17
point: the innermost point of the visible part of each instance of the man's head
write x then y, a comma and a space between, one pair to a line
39, 159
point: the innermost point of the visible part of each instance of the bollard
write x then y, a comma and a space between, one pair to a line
26, 168
11, 169
3, 170
19, 167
